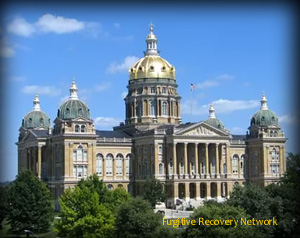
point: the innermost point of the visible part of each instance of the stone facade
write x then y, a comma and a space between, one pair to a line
194, 161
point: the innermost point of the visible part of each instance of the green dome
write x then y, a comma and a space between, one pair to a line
264, 118
215, 123
36, 119
73, 108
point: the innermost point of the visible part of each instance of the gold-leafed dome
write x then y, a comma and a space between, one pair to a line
152, 65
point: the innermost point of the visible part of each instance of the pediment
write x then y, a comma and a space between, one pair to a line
201, 129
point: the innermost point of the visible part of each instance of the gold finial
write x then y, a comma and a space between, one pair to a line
151, 27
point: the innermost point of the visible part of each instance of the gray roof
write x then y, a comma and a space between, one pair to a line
41, 133
112, 134
238, 137
185, 125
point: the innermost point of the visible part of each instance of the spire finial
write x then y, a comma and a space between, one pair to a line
211, 111
36, 103
263, 102
73, 90
151, 27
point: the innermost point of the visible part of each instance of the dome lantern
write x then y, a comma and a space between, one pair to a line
263, 102
212, 112
73, 91
36, 103
151, 43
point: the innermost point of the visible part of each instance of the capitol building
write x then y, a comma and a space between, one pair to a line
194, 161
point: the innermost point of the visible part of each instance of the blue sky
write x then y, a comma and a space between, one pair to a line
232, 54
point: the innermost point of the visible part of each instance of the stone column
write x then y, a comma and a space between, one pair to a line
217, 161
208, 192
229, 188
185, 159
155, 159
187, 191
39, 162
218, 190
206, 160
114, 168
198, 191
174, 160
228, 166
175, 191
196, 159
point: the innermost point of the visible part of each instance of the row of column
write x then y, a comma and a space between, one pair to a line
198, 162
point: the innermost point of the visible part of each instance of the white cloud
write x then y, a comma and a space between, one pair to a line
117, 25
124, 66
49, 23
18, 79
58, 24
106, 122
63, 99
21, 27
221, 106
45, 90
225, 77
289, 119
207, 84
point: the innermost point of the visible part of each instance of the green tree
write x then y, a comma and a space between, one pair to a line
136, 219
153, 191
89, 209
29, 204
217, 211
2, 204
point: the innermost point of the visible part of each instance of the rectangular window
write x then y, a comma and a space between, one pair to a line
164, 90
119, 166
85, 156
127, 166
153, 90
160, 149
99, 166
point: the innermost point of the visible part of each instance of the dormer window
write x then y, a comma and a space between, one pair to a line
80, 112
163, 68
83, 128
151, 68
77, 128
140, 68
42, 122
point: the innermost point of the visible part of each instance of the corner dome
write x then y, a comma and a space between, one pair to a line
264, 117
213, 121
73, 107
36, 118
152, 65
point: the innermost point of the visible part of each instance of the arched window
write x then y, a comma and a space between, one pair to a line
30, 122
235, 164
79, 153
119, 164
109, 164
164, 108
128, 164
42, 122
110, 187
99, 164
242, 163
160, 168
171, 168
82, 128
275, 134
140, 109
224, 168
152, 108
80, 112
77, 128
273, 154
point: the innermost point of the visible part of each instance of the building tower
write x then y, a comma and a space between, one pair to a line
152, 97
266, 146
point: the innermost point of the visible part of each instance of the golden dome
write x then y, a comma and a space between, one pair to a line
152, 66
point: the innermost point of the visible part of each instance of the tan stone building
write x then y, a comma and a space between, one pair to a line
195, 161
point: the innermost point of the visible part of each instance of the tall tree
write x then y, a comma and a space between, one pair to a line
29, 203
153, 191
2, 204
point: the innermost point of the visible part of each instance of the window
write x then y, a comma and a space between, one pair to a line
80, 112
213, 165
85, 156
109, 164
164, 90
242, 163
235, 164
193, 168
224, 168
119, 165
160, 149
128, 163
153, 90
273, 154
79, 153
160, 168
181, 168
275, 134
99, 164
42, 122
140, 109
164, 108
140, 90
80, 171
151, 68
110, 187
83, 128
153, 108
76, 128
274, 169
171, 168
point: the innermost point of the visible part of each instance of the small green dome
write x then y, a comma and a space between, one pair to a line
36, 119
215, 122
73, 108
264, 118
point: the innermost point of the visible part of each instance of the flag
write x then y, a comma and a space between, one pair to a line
193, 87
